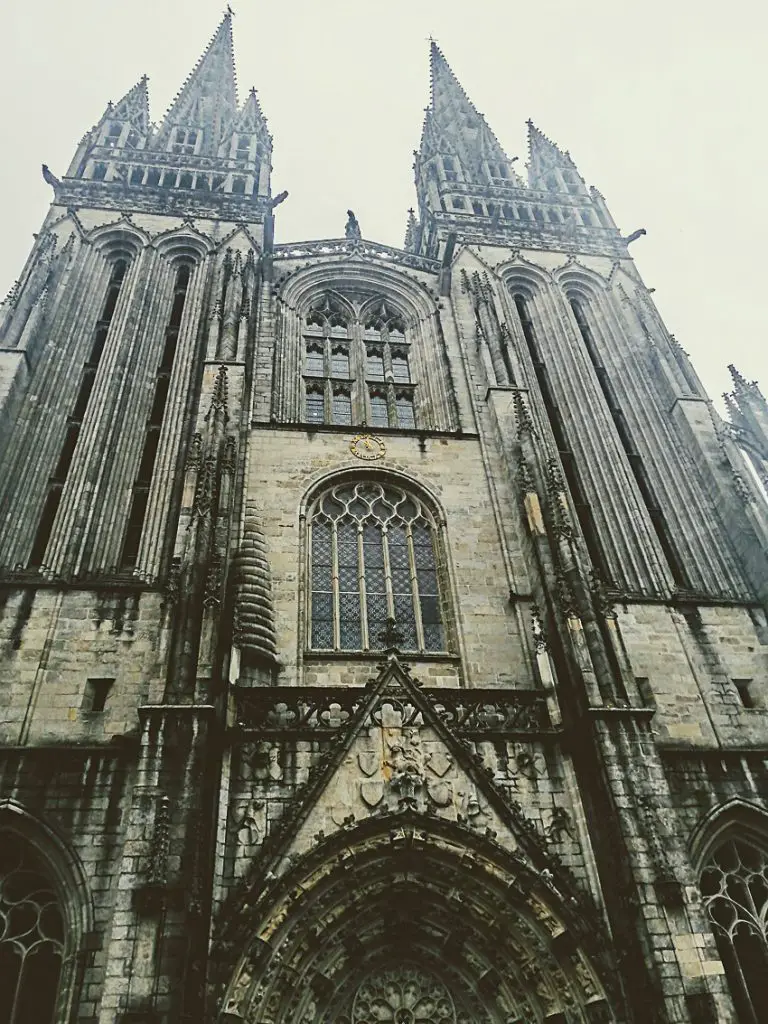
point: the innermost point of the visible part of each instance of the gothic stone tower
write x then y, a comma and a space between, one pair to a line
383, 631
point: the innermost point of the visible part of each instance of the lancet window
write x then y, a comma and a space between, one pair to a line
76, 417
734, 887
373, 556
31, 935
559, 429
143, 480
583, 322
184, 140
357, 370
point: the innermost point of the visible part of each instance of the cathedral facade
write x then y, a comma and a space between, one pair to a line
382, 631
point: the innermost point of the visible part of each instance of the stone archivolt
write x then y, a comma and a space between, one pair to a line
430, 927
402, 882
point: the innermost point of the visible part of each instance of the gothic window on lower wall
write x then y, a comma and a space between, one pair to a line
734, 888
31, 935
357, 368
373, 556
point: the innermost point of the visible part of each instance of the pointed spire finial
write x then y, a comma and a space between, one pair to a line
411, 228
208, 98
453, 126
740, 383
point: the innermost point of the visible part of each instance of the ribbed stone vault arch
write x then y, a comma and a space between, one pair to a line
434, 924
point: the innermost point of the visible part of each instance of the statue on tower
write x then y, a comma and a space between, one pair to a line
352, 230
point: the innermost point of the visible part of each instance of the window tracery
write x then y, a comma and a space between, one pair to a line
31, 935
734, 888
373, 557
403, 995
357, 370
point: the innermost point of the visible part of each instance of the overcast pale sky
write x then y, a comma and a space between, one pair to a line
661, 103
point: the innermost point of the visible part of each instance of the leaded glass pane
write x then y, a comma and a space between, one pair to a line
342, 409
395, 564
340, 363
374, 368
405, 418
406, 622
375, 584
402, 595
379, 412
315, 407
426, 578
314, 361
400, 370
322, 586
350, 630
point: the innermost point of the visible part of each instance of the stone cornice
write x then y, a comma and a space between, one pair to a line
183, 203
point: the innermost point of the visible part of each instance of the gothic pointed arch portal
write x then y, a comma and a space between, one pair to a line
406, 920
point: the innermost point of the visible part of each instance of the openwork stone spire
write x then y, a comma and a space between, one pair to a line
454, 123
208, 99
133, 107
550, 167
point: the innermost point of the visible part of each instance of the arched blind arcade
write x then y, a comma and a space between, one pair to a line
734, 887
31, 936
373, 557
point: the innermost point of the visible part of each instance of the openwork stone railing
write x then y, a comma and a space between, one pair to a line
383, 254
322, 710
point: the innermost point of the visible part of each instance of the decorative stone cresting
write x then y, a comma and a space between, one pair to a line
254, 612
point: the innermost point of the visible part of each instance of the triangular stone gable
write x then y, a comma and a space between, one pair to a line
395, 756
543, 156
239, 238
133, 107
251, 117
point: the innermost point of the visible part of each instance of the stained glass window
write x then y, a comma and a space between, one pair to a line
405, 418
379, 411
340, 363
345, 353
342, 407
373, 558
734, 887
31, 936
314, 361
374, 369
400, 370
315, 407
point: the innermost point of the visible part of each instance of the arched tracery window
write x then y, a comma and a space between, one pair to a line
734, 887
373, 557
357, 369
31, 935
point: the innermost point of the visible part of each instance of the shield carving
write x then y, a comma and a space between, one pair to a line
372, 791
440, 793
439, 762
368, 763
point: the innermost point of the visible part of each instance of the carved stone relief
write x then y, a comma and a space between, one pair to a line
403, 995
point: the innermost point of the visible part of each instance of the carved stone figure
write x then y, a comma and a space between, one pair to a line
352, 229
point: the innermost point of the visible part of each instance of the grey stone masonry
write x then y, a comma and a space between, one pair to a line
382, 632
